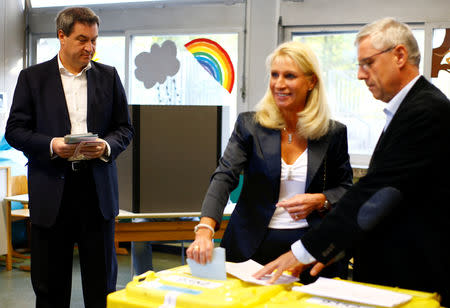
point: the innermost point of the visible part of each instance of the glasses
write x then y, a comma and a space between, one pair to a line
367, 62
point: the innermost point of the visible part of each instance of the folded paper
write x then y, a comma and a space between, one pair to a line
213, 270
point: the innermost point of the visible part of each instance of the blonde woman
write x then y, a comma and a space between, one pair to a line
295, 164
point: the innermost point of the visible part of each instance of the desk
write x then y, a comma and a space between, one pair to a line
128, 231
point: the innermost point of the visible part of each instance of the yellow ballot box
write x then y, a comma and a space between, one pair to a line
178, 288
296, 298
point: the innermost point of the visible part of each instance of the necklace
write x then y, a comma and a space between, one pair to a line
289, 135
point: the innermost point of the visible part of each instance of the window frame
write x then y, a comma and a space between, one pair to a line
240, 105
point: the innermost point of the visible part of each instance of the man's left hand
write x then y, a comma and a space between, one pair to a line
284, 262
93, 149
287, 262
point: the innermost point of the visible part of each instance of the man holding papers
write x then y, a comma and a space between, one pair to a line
407, 248
73, 200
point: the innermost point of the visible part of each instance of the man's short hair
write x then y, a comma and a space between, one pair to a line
66, 19
388, 32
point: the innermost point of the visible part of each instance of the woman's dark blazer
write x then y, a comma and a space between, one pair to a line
256, 151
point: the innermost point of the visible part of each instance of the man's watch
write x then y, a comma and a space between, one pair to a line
326, 206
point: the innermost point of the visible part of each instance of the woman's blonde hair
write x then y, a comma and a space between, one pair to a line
314, 121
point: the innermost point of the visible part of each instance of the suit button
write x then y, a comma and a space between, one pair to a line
62, 177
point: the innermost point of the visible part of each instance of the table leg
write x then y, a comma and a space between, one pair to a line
8, 236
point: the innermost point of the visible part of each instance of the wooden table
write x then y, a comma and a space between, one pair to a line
175, 230
171, 230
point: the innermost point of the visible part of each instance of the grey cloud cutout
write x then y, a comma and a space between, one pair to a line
156, 65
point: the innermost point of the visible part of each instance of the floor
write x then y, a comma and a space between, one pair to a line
16, 290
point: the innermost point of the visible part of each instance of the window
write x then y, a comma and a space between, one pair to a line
46, 49
182, 78
186, 69
110, 50
201, 77
349, 99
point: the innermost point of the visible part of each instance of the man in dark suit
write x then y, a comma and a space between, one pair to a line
406, 248
71, 202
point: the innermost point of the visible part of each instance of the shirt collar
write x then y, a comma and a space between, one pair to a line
63, 70
395, 102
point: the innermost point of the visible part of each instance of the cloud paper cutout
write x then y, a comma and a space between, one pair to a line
158, 64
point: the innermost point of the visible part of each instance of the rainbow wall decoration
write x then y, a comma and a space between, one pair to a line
214, 59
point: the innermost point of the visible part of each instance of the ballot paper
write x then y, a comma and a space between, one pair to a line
82, 140
76, 138
212, 270
245, 270
352, 292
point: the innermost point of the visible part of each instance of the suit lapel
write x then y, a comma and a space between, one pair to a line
316, 153
269, 145
59, 104
418, 85
91, 86
377, 146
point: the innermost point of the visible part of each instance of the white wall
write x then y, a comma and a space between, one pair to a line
262, 19
322, 12
133, 17
11, 50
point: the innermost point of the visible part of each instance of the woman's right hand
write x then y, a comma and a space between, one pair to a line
201, 249
301, 205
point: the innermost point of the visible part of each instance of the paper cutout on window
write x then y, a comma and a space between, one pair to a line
158, 64
95, 57
438, 54
214, 59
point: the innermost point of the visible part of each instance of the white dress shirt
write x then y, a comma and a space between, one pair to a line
75, 92
395, 102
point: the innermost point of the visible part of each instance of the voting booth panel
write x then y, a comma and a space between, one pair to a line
179, 147
178, 288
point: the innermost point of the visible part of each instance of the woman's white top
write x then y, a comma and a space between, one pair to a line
292, 182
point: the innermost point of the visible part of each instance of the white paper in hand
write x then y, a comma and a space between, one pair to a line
214, 270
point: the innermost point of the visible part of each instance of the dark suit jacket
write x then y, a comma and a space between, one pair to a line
39, 113
256, 150
409, 247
